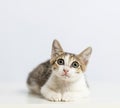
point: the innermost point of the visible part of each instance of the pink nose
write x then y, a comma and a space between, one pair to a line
65, 71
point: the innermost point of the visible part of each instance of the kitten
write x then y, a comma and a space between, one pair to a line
62, 77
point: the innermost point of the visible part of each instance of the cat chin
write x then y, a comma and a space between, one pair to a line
66, 78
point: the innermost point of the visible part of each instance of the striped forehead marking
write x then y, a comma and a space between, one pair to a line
68, 58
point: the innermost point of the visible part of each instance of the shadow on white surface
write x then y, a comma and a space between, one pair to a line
18, 94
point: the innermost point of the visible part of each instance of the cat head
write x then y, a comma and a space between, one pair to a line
68, 66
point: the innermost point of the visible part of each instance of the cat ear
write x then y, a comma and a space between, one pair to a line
56, 49
84, 57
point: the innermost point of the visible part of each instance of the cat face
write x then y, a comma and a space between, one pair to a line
68, 66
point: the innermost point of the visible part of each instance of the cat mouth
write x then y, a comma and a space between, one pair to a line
65, 75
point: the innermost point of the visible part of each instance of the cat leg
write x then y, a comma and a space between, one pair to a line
74, 96
68, 96
50, 94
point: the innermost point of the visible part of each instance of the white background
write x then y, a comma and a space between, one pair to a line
28, 27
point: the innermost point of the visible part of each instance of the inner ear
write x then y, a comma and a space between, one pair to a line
84, 56
56, 49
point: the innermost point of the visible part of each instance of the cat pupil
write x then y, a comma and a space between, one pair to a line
75, 64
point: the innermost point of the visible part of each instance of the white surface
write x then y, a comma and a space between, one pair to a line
100, 95
28, 27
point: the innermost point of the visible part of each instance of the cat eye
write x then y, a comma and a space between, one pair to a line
75, 64
60, 61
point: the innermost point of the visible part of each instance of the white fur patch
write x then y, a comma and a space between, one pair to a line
59, 90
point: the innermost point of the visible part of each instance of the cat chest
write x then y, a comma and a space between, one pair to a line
64, 87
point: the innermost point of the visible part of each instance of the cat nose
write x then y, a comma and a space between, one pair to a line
65, 71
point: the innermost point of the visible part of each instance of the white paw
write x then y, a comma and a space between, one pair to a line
53, 96
68, 96
50, 94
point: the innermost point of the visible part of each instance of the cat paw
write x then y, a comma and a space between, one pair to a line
50, 94
68, 97
55, 97
74, 96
